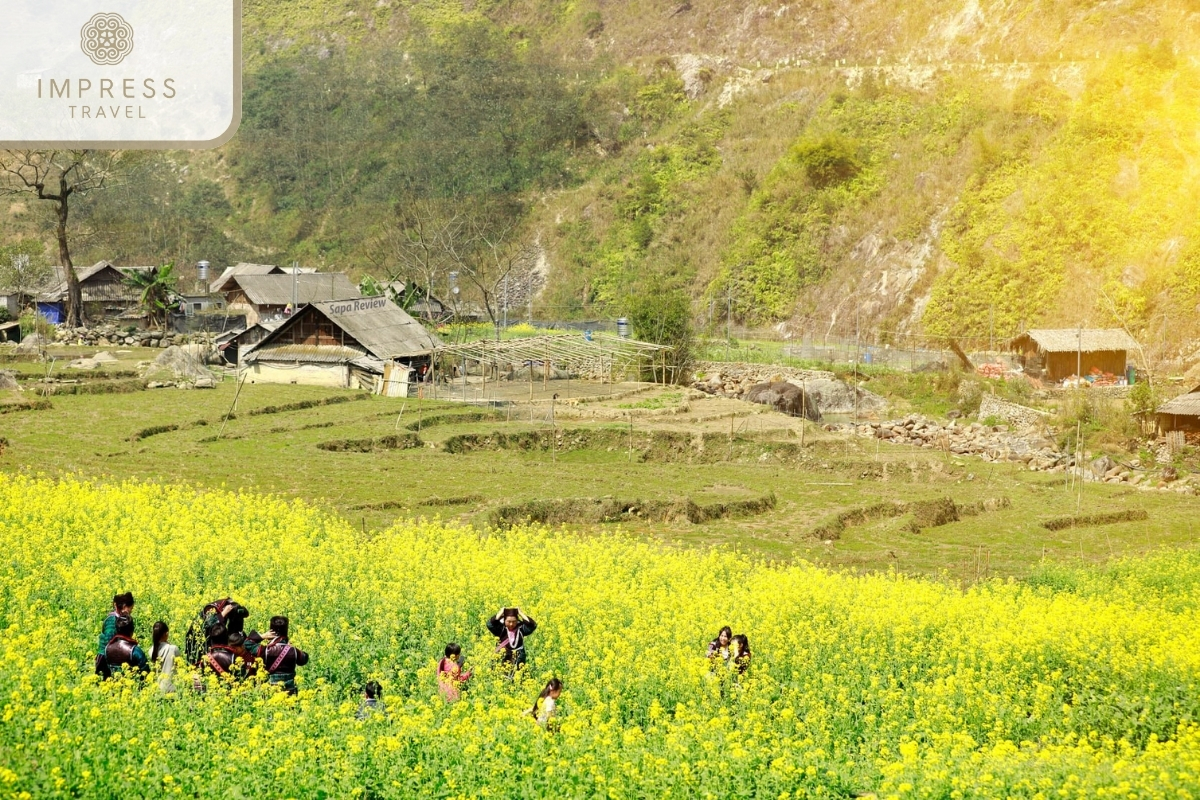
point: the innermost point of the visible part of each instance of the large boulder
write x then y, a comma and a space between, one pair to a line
786, 397
1101, 466
8, 382
33, 343
837, 397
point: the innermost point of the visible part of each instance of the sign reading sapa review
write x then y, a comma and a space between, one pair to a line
119, 73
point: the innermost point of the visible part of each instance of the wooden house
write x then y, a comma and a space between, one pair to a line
1060, 353
225, 282
266, 297
1181, 414
358, 343
234, 345
104, 288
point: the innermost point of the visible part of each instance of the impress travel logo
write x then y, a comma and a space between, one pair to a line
107, 39
131, 74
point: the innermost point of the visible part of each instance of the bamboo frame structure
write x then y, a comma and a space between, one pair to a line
603, 354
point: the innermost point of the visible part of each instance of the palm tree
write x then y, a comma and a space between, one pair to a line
156, 285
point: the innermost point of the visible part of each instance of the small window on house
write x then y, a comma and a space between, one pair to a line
196, 306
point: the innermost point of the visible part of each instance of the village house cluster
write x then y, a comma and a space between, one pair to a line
297, 325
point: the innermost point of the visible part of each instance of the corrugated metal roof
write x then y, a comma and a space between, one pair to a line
276, 290
256, 332
243, 268
305, 353
1069, 340
384, 328
98, 291
1187, 405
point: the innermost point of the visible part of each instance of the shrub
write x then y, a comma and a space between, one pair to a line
827, 161
664, 316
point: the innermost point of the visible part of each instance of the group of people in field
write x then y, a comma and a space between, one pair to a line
730, 650
217, 643
510, 626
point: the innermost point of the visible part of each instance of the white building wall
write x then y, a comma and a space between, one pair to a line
333, 375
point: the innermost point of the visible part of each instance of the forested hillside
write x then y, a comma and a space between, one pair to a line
950, 168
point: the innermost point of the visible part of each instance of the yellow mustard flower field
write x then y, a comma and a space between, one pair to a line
1071, 684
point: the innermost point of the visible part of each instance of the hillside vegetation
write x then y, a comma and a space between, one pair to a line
950, 168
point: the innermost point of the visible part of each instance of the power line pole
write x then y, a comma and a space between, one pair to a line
1079, 354
857, 312
992, 329
728, 317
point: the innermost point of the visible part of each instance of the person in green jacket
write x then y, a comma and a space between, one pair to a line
122, 606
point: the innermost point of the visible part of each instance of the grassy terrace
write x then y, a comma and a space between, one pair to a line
105, 436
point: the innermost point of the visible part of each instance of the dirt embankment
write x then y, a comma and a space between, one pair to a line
645, 446
588, 510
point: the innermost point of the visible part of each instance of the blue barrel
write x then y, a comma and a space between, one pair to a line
868, 357
623, 327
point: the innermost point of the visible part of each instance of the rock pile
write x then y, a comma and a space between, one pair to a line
991, 443
110, 335
731, 379
182, 367
1029, 446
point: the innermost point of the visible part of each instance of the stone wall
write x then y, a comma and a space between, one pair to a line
117, 336
1012, 413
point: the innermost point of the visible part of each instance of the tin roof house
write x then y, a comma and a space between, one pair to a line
104, 289
267, 297
1181, 414
354, 343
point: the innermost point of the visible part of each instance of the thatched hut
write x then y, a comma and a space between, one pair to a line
1061, 353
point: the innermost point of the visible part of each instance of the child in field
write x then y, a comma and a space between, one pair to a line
718, 648
740, 653
546, 705
452, 676
372, 700
162, 654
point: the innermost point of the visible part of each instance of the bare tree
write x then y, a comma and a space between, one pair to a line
500, 261
420, 244
483, 242
57, 176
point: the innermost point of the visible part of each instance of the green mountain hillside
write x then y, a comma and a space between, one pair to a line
960, 168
